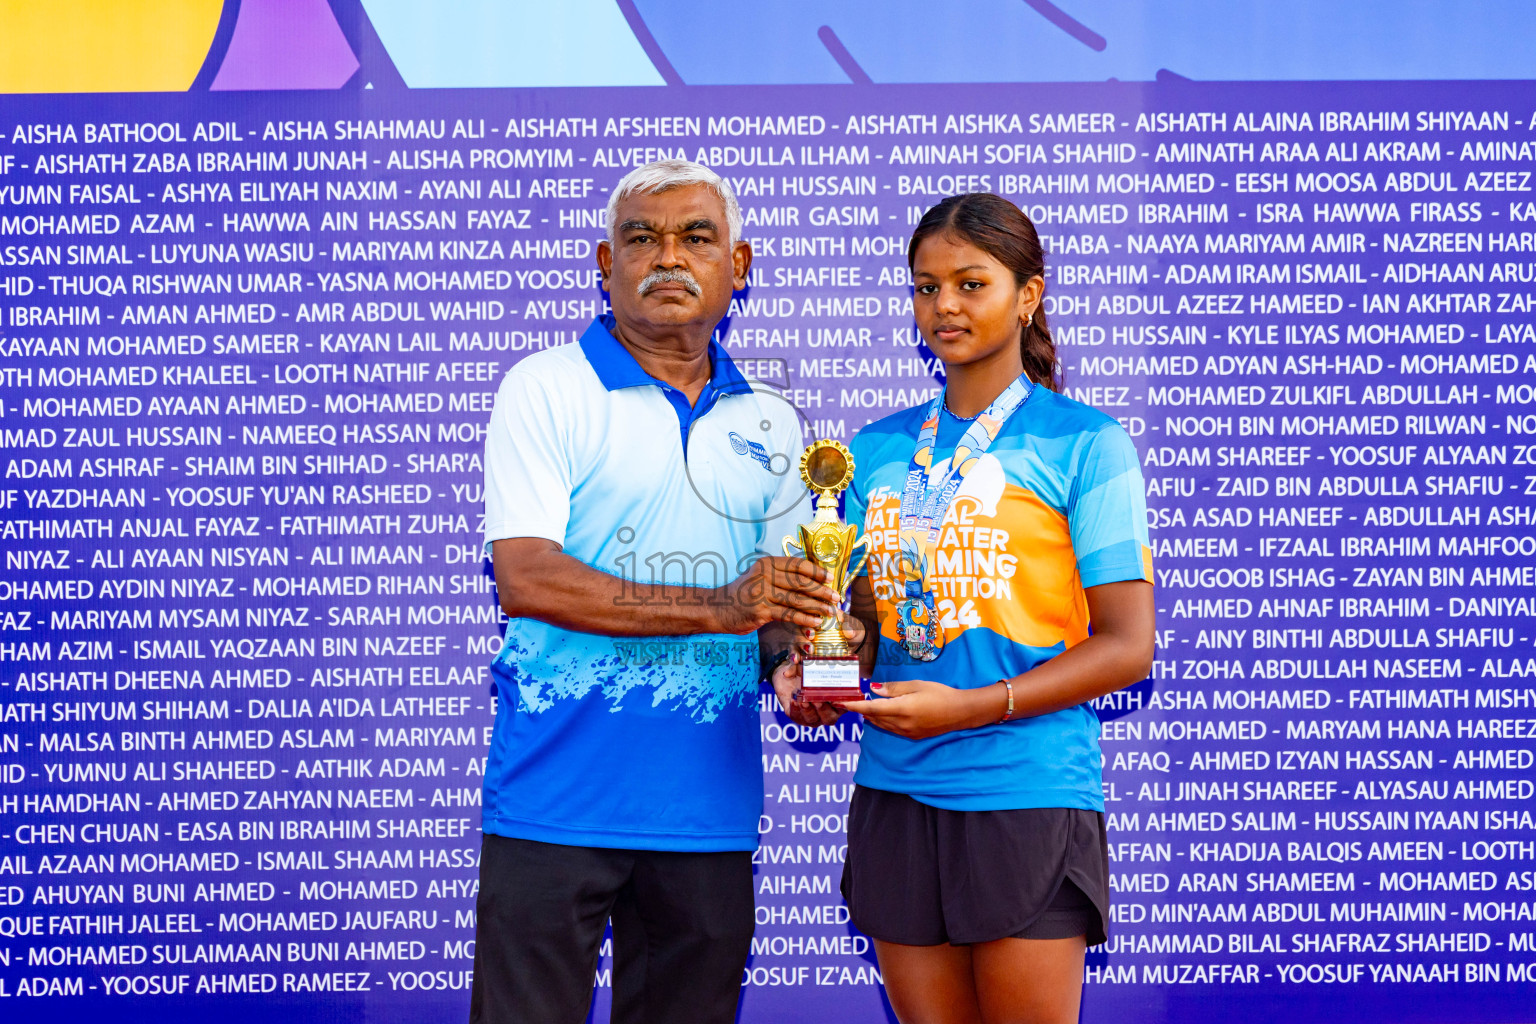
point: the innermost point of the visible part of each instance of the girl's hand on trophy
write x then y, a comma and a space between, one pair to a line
853, 629
786, 684
920, 708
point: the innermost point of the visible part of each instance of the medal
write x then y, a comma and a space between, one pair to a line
925, 498
917, 615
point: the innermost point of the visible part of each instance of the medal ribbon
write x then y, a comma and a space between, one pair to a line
924, 500
930, 489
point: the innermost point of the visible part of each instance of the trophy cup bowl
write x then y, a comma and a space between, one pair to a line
830, 671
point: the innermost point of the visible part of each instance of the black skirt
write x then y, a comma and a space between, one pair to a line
920, 875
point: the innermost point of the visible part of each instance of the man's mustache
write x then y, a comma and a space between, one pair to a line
675, 276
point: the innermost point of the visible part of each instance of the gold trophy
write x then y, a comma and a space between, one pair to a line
831, 670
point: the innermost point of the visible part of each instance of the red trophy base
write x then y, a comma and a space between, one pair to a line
830, 679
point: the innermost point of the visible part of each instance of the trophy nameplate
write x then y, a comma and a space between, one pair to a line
830, 670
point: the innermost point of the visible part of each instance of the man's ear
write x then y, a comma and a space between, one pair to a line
741, 264
604, 261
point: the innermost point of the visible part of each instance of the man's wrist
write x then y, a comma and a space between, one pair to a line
712, 612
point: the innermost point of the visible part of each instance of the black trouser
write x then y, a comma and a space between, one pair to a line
682, 928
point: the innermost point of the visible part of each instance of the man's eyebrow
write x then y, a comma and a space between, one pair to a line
700, 224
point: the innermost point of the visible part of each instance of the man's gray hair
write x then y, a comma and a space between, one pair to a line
661, 175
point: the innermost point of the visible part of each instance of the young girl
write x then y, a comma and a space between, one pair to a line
1003, 521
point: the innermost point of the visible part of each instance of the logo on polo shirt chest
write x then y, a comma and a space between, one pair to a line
741, 446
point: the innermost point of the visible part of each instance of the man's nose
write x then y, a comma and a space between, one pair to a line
669, 253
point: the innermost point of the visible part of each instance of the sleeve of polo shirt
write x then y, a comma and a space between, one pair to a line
1107, 516
527, 464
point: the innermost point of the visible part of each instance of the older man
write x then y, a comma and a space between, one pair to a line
632, 482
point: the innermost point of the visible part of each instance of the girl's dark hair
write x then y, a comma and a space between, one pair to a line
1000, 229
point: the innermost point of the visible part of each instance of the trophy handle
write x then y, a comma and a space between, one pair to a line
789, 542
862, 547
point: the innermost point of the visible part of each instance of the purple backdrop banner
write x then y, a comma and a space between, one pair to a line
249, 348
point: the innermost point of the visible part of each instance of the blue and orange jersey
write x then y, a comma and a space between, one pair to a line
1054, 506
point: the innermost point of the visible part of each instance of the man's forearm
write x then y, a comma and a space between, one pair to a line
553, 587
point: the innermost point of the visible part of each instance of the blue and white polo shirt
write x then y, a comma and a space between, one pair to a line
635, 743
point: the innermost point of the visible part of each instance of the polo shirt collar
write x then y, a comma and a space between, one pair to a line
616, 367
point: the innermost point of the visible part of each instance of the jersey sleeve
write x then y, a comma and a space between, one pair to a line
527, 464
1107, 513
